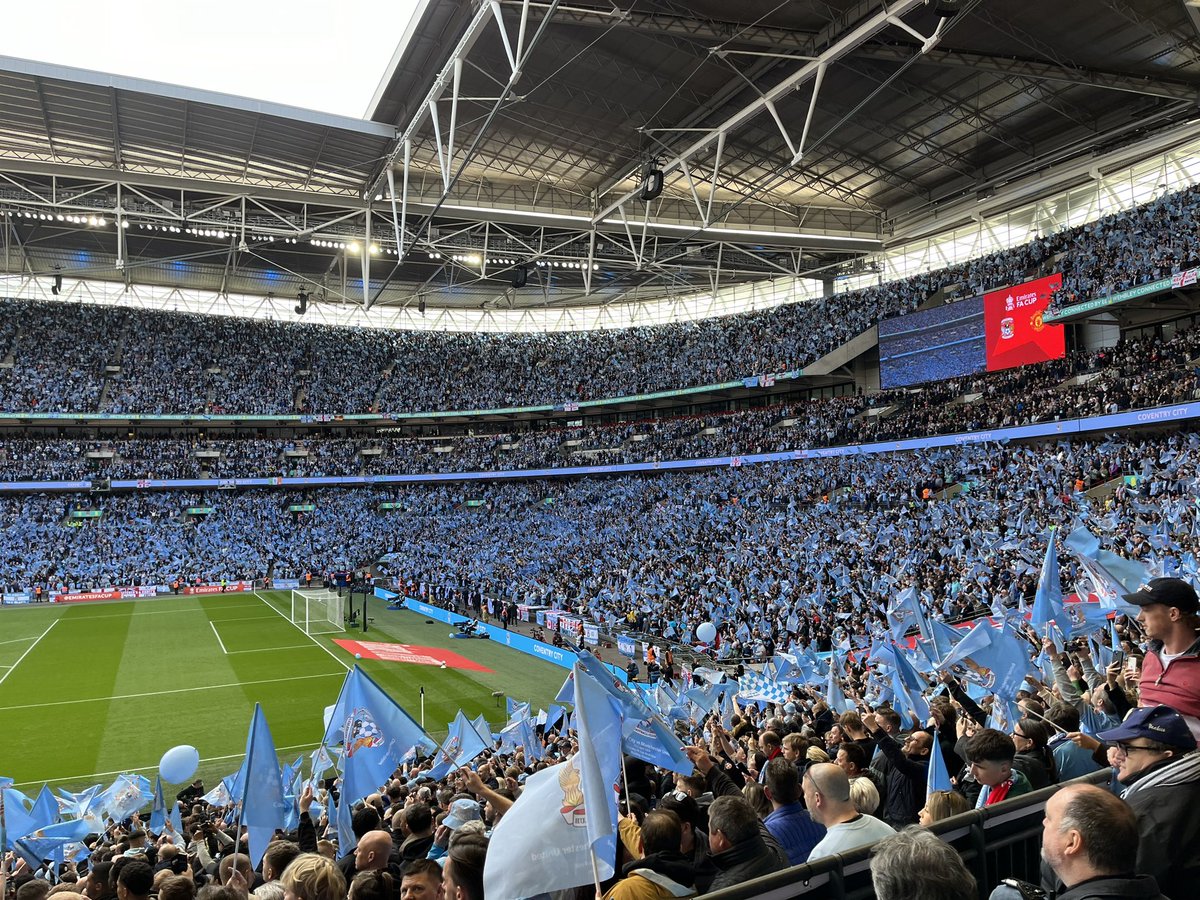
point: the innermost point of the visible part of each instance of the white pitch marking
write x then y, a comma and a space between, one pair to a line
149, 768
27, 651
211, 687
333, 655
270, 649
219, 641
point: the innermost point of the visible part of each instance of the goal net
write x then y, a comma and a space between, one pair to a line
318, 611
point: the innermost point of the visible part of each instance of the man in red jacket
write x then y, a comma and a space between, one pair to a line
1171, 669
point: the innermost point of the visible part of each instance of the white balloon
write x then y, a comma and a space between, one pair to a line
706, 632
179, 764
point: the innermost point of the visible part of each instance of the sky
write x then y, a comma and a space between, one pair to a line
326, 56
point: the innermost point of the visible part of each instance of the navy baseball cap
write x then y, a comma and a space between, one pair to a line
1155, 723
1167, 591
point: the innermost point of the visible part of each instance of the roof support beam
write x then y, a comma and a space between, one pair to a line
807, 72
1036, 70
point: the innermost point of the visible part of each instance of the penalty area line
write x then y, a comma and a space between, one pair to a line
287, 619
218, 637
28, 650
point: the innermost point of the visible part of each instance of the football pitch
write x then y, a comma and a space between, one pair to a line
88, 691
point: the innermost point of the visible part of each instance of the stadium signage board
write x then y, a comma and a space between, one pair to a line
1178, 280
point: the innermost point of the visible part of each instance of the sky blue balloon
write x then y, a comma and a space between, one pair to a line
706, 632
179, 764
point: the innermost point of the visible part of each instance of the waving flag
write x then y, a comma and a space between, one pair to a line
566, 817
49, 842
938, 777
125, 796
462, 745
1048, 602
905, 613
264, 807
375, 732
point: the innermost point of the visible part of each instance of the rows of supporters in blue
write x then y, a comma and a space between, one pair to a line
170, 363
1137, 373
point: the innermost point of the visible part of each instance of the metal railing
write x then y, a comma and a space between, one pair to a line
1002, 841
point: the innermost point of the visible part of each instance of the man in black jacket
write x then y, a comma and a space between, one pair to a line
906, 778
1156, 759
1090, 840
738, 850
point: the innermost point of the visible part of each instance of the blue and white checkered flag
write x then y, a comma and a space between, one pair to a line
753, 686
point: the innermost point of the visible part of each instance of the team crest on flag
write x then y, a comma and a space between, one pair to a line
570, 782
361, 732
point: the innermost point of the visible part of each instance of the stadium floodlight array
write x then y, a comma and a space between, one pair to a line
318, 611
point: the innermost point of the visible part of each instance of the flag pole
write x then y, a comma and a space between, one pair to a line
595, 870
422, 706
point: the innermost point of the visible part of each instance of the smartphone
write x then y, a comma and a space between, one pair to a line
1119, 657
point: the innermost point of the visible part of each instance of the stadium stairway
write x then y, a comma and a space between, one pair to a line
845, 354
10, 358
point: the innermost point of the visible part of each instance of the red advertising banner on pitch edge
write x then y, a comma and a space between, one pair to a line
1013, 327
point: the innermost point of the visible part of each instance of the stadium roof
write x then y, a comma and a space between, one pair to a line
794, 139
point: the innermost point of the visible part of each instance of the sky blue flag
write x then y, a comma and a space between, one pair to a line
1048, 601
462, 745
938, 777
905, 613
343, 818
158, 811
1001, 650
633, 706
547, 828
553, 716
483, 729
17, 822
48, 843
125, 796
375, 731
652, 741
264, 808
909, 688
598, 721
834, 695
45, 809
4, 783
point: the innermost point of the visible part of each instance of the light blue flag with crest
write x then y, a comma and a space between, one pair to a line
125, 796
462, 745
375, 732
264, 807
49, 842
904, 613
164, 820
566, 816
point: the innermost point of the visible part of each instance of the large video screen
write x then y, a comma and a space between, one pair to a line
1016, 333
932, 344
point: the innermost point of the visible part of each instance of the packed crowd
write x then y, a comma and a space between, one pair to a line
733, 789
1137, 373
799, 551
1144, 244
162, 363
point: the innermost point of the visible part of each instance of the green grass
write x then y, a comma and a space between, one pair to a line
92, 690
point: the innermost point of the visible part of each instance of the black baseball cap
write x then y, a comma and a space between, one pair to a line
1167, 591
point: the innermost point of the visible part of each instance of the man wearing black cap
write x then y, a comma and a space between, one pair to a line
1155, 755
1171, 670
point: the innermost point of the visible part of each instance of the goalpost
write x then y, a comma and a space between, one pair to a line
318, 611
